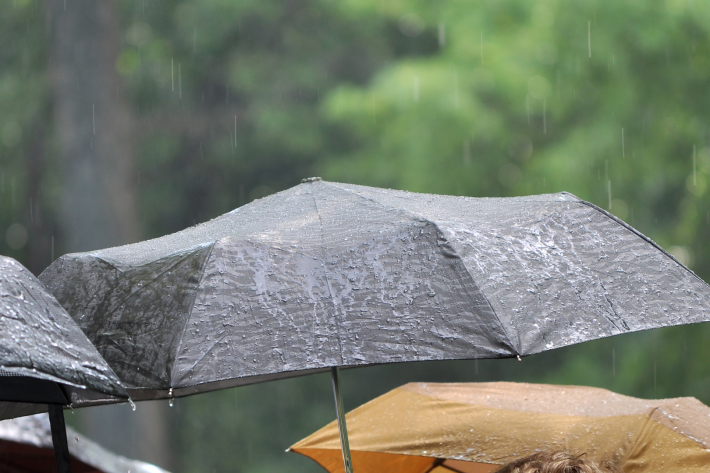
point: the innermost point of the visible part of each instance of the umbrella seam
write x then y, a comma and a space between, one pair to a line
488, 302
436, 226
191, 306
327, 280
639, 436
641, 235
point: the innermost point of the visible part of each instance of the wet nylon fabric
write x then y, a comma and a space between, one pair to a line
26, 446
494, 423
328, 274
40, 340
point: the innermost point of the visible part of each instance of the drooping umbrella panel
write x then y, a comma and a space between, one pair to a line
39, 341
477, 427
45, 359
327, 274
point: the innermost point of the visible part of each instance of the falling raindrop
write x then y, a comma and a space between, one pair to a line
527, 106
416, 89
442, 35
172, 73
589, 38
608, 191
544, 117
695, 167
623, 151
466, 152
456, 89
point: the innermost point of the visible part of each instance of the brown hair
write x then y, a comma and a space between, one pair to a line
556, 462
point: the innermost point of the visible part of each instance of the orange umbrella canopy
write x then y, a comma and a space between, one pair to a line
476, 427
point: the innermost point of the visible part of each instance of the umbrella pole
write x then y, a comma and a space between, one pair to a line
347, 460
59, 437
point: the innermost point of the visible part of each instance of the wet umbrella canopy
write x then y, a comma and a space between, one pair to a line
26, 447
477, 427
45, 359
40, 345
325, 275
328, 274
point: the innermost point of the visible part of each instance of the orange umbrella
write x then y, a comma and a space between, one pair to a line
476, 427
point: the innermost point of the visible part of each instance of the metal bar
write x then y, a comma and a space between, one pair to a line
347, 460
59, 438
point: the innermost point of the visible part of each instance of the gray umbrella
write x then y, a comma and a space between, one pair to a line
45, 359
325, 275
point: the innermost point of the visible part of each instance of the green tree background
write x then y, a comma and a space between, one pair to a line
233, 101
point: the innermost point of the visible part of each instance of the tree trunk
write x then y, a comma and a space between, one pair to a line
98, 209
94, 127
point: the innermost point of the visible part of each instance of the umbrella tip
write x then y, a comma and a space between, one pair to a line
520, 360
310, 179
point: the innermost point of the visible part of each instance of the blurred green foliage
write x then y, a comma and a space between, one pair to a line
236, 100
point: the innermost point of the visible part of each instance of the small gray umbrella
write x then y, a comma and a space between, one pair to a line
26, 445
45, 359
326, 275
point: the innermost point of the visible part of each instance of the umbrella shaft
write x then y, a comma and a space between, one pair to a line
347, 460
59, 438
